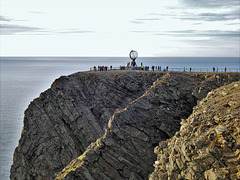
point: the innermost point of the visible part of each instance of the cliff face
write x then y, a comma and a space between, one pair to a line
208, 143
123, 114
65, 119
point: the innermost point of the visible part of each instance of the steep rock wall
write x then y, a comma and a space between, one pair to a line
130, 111
125, 150
61, 123
207, 146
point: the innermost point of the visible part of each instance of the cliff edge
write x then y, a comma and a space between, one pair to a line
105, 125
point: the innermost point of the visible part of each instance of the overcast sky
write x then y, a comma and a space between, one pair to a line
113, 28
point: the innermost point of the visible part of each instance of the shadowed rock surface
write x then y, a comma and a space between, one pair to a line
73, 113
123, 114
208, 143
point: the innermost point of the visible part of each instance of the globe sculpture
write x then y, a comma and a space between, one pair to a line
133, 55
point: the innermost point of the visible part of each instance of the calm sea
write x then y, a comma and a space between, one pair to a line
24, 78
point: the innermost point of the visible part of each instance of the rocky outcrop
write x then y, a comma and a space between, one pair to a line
106, 123
208, 143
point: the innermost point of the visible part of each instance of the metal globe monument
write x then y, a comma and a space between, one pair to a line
133, 55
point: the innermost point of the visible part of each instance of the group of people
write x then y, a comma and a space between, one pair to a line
158, 68
216, 69
145, 68
101, 68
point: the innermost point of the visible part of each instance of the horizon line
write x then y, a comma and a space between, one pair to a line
119, 56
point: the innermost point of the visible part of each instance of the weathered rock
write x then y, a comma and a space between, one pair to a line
215, 147
133, 132
123, 114
73, 113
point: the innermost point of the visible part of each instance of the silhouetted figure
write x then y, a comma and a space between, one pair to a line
225, 69
133, 63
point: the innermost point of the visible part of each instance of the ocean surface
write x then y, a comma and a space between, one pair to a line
24, 78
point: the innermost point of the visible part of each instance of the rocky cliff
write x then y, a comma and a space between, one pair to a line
208, 143
105, 125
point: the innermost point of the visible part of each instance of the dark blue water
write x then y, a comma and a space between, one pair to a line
23, 79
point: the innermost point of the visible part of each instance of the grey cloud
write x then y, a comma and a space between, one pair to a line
196, 23
232, 15
143, 31
158, 14
143, 20
3, 18
7, 29
223, 34
182, 32
232, 24
210, 3
213, 16
193, 33
137, 22
6, 19
148, 19
74, 32
170, 14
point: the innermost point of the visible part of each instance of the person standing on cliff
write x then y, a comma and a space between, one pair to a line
225, 69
